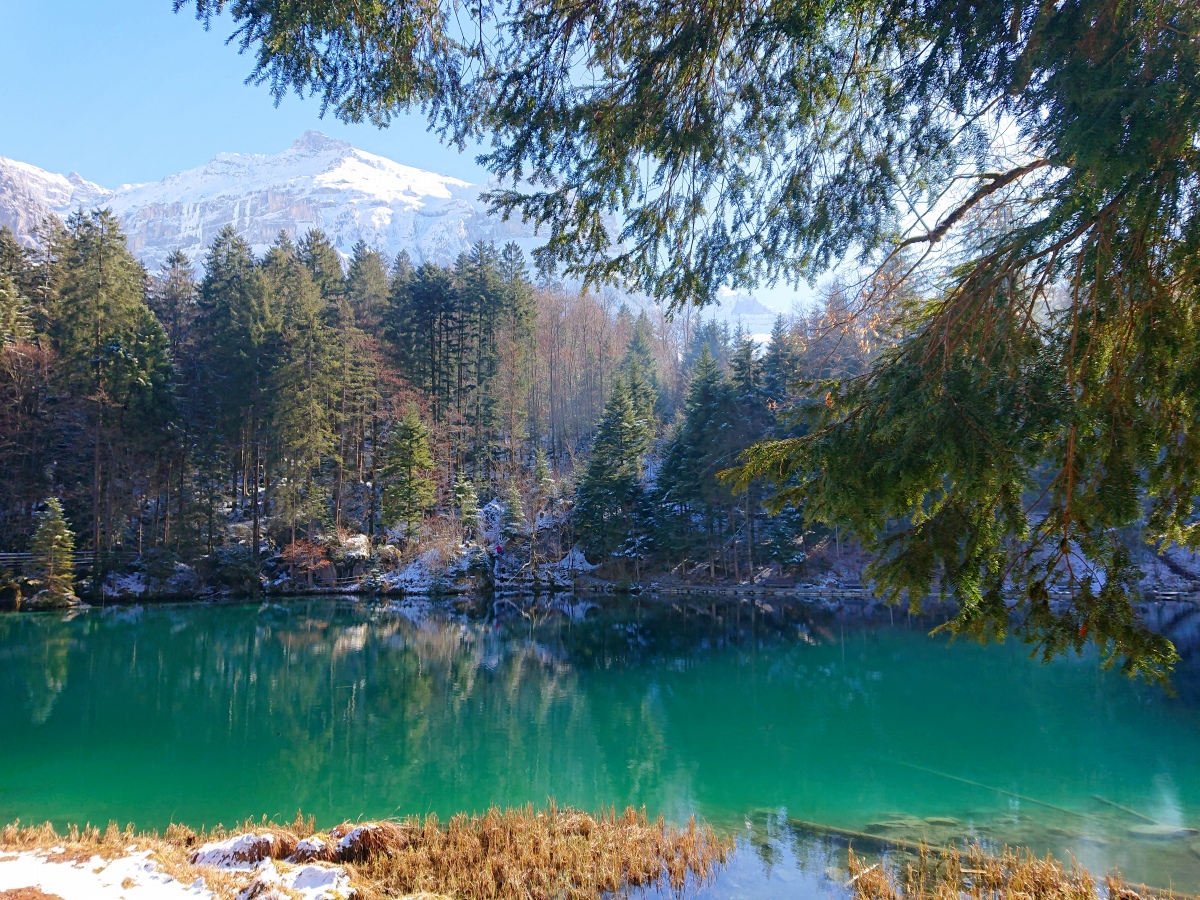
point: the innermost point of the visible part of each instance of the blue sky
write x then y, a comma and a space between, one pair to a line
128, 91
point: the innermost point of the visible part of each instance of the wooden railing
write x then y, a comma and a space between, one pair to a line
83, 559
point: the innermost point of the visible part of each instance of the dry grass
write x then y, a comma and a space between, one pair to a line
528, 854
951, 874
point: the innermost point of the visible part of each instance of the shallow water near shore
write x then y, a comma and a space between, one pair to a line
759, 723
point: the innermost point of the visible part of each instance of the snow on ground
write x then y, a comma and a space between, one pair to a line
355, 547
138, 877
491, 518
309, 882
573, 562
418, 576
118, 585
242, 851
132, 877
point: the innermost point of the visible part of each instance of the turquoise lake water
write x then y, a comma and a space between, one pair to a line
211, 714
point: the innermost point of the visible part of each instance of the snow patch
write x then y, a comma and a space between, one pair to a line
242, 852
491, 518
573, 562
307, 883
418, 576
350, 838
120, 585
309, 848
98, 879
319, 883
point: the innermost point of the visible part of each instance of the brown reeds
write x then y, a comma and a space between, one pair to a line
522, 853
529, 854
952, 874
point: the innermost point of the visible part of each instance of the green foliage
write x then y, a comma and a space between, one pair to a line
172, 298
409, 491
610, 507
544, 487
233, 566
113, 349
367, 285
53, 548
324, 264
466, 501
299, 381
933, 460
113, 356
513, 524
15, 321
640, 371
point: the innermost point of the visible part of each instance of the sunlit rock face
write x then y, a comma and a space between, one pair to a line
29, 194
317, 182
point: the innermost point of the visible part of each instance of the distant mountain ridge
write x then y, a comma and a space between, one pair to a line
317, 182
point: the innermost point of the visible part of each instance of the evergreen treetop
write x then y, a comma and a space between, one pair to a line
53, 548
409, 490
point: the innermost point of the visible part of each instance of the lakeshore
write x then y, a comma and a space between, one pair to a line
519, 854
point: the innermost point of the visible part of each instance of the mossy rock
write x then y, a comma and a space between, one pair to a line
51, 600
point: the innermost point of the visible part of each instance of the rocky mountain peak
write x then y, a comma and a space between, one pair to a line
316, 142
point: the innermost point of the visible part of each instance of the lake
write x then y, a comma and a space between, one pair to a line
207, 714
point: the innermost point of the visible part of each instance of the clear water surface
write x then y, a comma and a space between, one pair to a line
211, 714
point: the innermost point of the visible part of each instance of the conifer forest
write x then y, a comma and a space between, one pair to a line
280, 406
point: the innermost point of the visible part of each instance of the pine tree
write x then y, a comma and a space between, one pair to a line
367, 285
409, 490
299, 385
239, 323
173, 297
113, 353
639, 351
610, 499
640, 370
430, 302
780, 364
544, 487
514, 523
324, 264
15, 321
514, 344
704, 444
542, 496
397, 316
12, 257
466, 501
53, 548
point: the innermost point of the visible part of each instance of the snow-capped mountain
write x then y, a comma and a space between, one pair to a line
317, 182
29, 194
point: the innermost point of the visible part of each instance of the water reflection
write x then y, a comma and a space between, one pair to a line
774, 723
